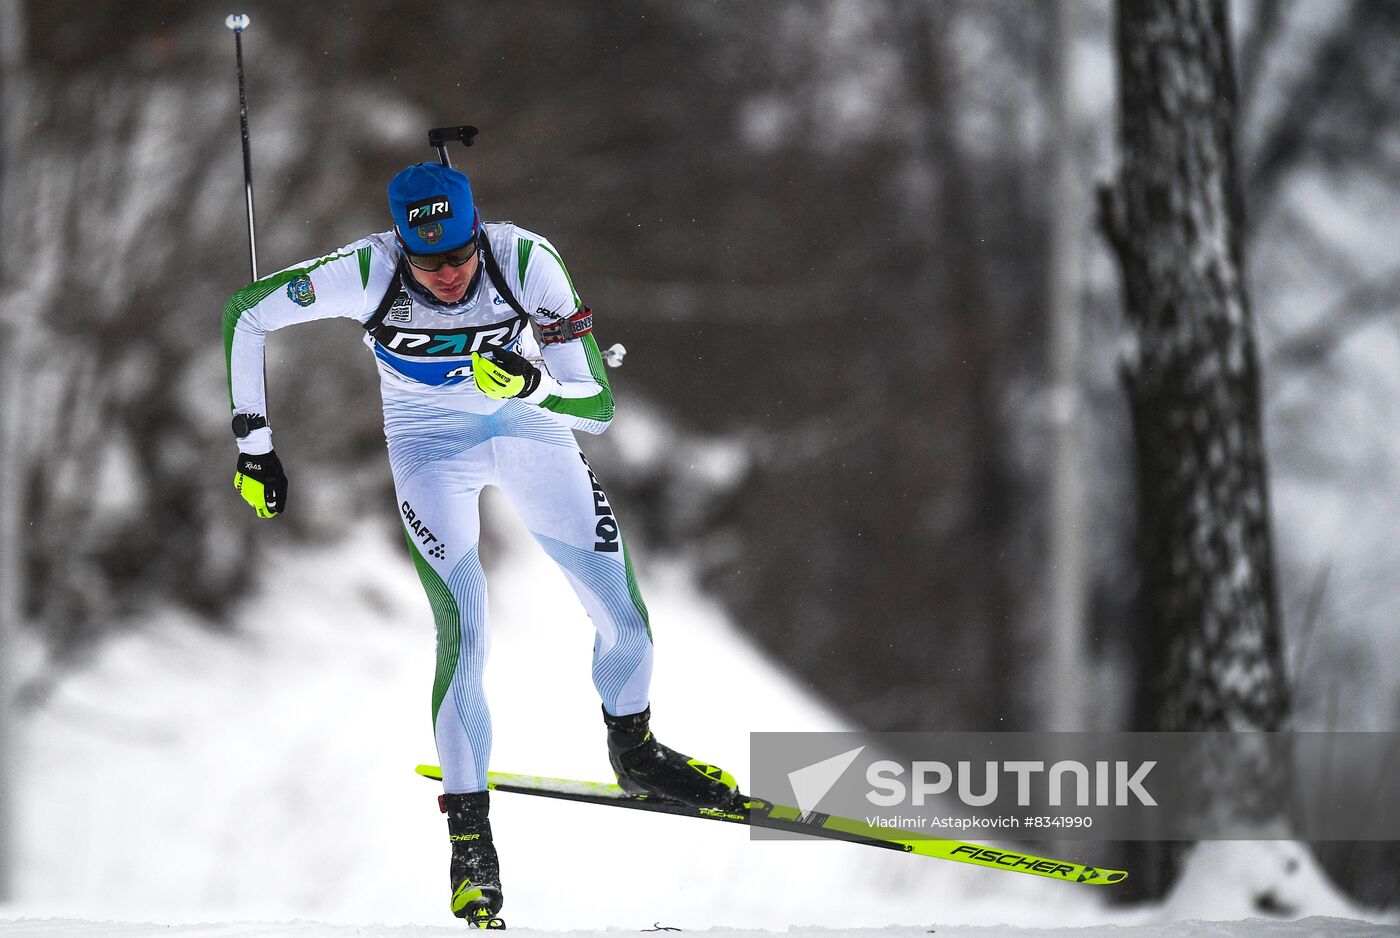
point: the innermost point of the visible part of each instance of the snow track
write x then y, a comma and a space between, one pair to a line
68, 928
265, 781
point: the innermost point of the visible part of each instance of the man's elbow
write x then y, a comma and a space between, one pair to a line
238, 310
605, 415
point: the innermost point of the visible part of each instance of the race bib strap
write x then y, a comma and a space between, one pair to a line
395, 293
566, 330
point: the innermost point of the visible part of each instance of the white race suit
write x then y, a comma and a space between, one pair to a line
447, 440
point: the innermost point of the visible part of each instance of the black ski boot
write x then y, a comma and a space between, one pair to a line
644, 766
476, 873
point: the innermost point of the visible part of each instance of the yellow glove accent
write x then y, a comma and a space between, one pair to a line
493, 380
253, 493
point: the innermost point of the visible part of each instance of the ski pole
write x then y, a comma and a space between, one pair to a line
239, 22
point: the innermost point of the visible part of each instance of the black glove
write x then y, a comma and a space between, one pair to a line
502, 374
262, 483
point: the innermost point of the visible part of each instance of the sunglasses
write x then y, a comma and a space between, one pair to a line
433, 262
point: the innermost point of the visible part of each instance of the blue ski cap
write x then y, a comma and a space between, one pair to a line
432, 208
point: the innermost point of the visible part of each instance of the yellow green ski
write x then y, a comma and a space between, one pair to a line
758, 813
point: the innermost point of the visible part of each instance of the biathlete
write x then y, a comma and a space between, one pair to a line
487, 364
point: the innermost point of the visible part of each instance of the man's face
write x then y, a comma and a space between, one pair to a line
447, 275
447, 283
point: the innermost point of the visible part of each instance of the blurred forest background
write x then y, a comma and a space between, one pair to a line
829, 233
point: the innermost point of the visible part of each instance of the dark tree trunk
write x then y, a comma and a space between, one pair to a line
1210, 655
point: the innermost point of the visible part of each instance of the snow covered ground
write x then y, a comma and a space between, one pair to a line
59, 928
265, 781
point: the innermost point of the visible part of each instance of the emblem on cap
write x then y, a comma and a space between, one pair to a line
431, 232
300, 291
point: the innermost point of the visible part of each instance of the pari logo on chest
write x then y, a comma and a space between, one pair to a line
430, 343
